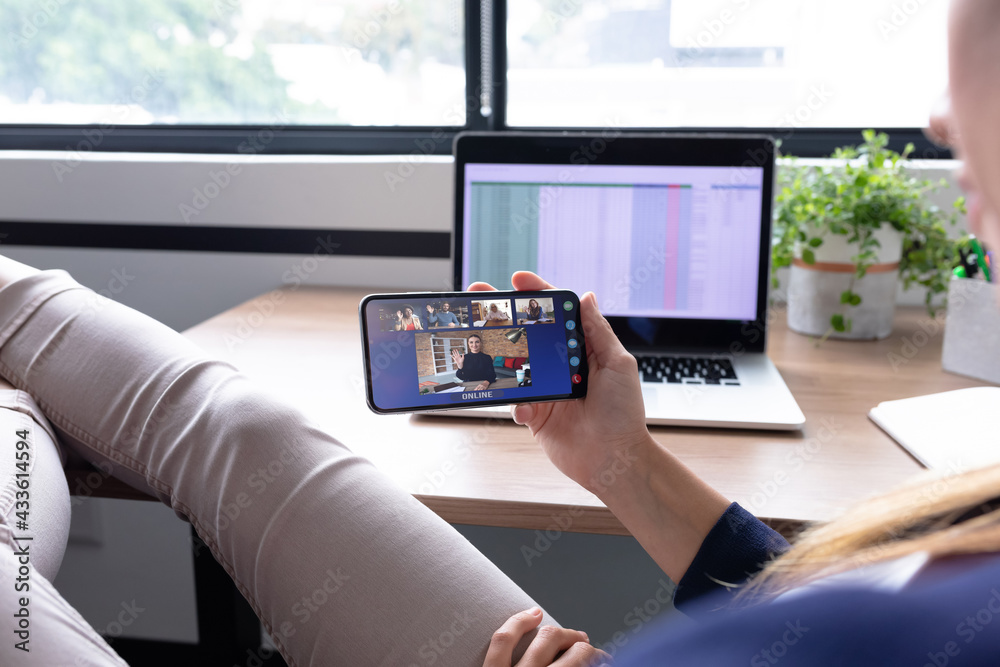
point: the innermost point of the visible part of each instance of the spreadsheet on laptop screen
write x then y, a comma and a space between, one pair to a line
649, 241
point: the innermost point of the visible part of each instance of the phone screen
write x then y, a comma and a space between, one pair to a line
439, 351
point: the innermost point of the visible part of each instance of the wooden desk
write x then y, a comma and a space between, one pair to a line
499, 383
491, 472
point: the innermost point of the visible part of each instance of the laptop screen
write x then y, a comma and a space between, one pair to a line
650, 241
672, 232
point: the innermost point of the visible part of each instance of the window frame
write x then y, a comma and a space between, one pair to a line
484, 20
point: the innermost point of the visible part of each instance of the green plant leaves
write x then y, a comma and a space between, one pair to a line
870, 187
850, 298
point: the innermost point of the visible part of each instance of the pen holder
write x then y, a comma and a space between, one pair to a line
972, 330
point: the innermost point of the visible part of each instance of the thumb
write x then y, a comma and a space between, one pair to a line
522, 413
601, 338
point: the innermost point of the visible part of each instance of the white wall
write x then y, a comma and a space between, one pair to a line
184, 288
359, 192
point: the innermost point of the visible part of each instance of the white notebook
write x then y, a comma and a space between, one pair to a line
954, 430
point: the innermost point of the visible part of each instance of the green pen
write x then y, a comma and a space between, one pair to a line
977, 248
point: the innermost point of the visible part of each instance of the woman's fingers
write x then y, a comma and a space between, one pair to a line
582, 654
601, 338
482, 287
526, 280
550, 642
547, 644
504, 640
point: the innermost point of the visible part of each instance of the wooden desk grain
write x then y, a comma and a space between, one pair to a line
305, 346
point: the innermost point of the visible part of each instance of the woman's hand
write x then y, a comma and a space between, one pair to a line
482, 385
559, 647
457, 358
601, 442
592, 440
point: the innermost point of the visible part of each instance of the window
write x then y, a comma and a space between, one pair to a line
398, 76
233, 62
724, 63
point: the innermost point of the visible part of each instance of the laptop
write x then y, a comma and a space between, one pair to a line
671, 232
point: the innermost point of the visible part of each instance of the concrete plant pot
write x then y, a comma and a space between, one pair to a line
814, 290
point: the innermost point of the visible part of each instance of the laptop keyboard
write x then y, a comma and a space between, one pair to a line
687, 370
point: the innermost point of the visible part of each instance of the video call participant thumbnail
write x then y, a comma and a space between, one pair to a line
399, 318
534, 310
442, 317
474, 364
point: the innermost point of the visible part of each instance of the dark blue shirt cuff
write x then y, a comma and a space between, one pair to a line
736, 549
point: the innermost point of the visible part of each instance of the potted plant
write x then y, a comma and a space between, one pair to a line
849, 230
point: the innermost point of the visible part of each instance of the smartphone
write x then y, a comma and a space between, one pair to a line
427, 351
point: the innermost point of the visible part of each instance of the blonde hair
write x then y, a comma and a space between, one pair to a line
940, 515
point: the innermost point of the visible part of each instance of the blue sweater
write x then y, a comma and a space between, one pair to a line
948, 615
443, 318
